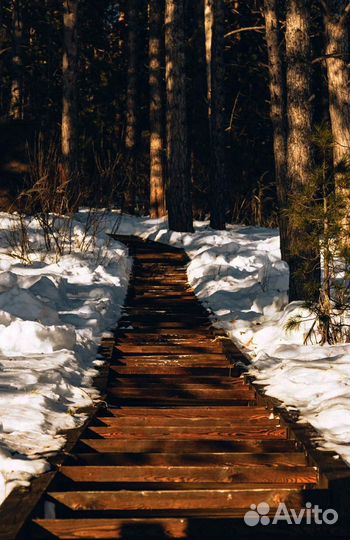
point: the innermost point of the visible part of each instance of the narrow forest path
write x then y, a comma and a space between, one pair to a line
183, 449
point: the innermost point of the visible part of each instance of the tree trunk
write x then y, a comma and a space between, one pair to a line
208, 23
179, 182
198, 105
299, 148
131, 105
278, 115
69, 134
218, 191
156, 111
16, 99
337, 61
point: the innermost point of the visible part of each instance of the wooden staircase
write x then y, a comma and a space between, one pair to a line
182, 449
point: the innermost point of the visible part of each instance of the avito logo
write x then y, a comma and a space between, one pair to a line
259, 514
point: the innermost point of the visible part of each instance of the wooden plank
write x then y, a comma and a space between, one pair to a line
261, 421
211, 528
205, 381
234, 474
186, 412
285, 459
177, 322
196, 349
220, 433
110, 529
185, 446
184, 360
171, 393
221, 502
164, 257
183, 334
168, 369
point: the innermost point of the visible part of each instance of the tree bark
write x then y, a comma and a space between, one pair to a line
278, 116
218, 191
131, 105
337, 61
156, 110
198, 104
179, 182
208, 23
299, 147
69, 135
16, 100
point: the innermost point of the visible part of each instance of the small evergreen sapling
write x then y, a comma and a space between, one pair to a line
318, 211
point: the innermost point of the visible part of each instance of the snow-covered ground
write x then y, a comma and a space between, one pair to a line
52, 315
54, 311
239, 275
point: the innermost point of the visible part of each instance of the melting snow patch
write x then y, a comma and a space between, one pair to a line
52, 315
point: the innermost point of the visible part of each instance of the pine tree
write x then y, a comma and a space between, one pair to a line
131, 134
299, 147
16, 100
218, 195
179, 182
69, 141
336, 21
315, 209
156, 109
277, 114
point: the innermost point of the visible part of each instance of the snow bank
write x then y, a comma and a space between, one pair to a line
239, 275
52, 315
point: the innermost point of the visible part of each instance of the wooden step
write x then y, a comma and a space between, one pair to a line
183, 334
185, 446
163, 257
193, 360
169, 369
193, 528
162, 296
186, 412
176, 323
196, 348
149, 362
166, 394
272, 459
234, 502
219, 474
110, 529
179, 383
158, 421
216, 433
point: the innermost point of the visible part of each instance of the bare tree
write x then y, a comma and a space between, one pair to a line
218, 195
299, 148
156, 110
69, 141
278, 115
16, 99
336, 21
179, 182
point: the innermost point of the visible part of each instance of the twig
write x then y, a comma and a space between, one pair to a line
246, 29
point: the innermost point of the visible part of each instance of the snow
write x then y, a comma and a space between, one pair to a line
53, 313
238, 274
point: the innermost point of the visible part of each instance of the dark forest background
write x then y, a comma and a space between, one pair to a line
102, 80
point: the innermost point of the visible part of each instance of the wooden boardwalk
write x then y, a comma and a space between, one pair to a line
183, 448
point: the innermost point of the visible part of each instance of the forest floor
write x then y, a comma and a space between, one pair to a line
54, 311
